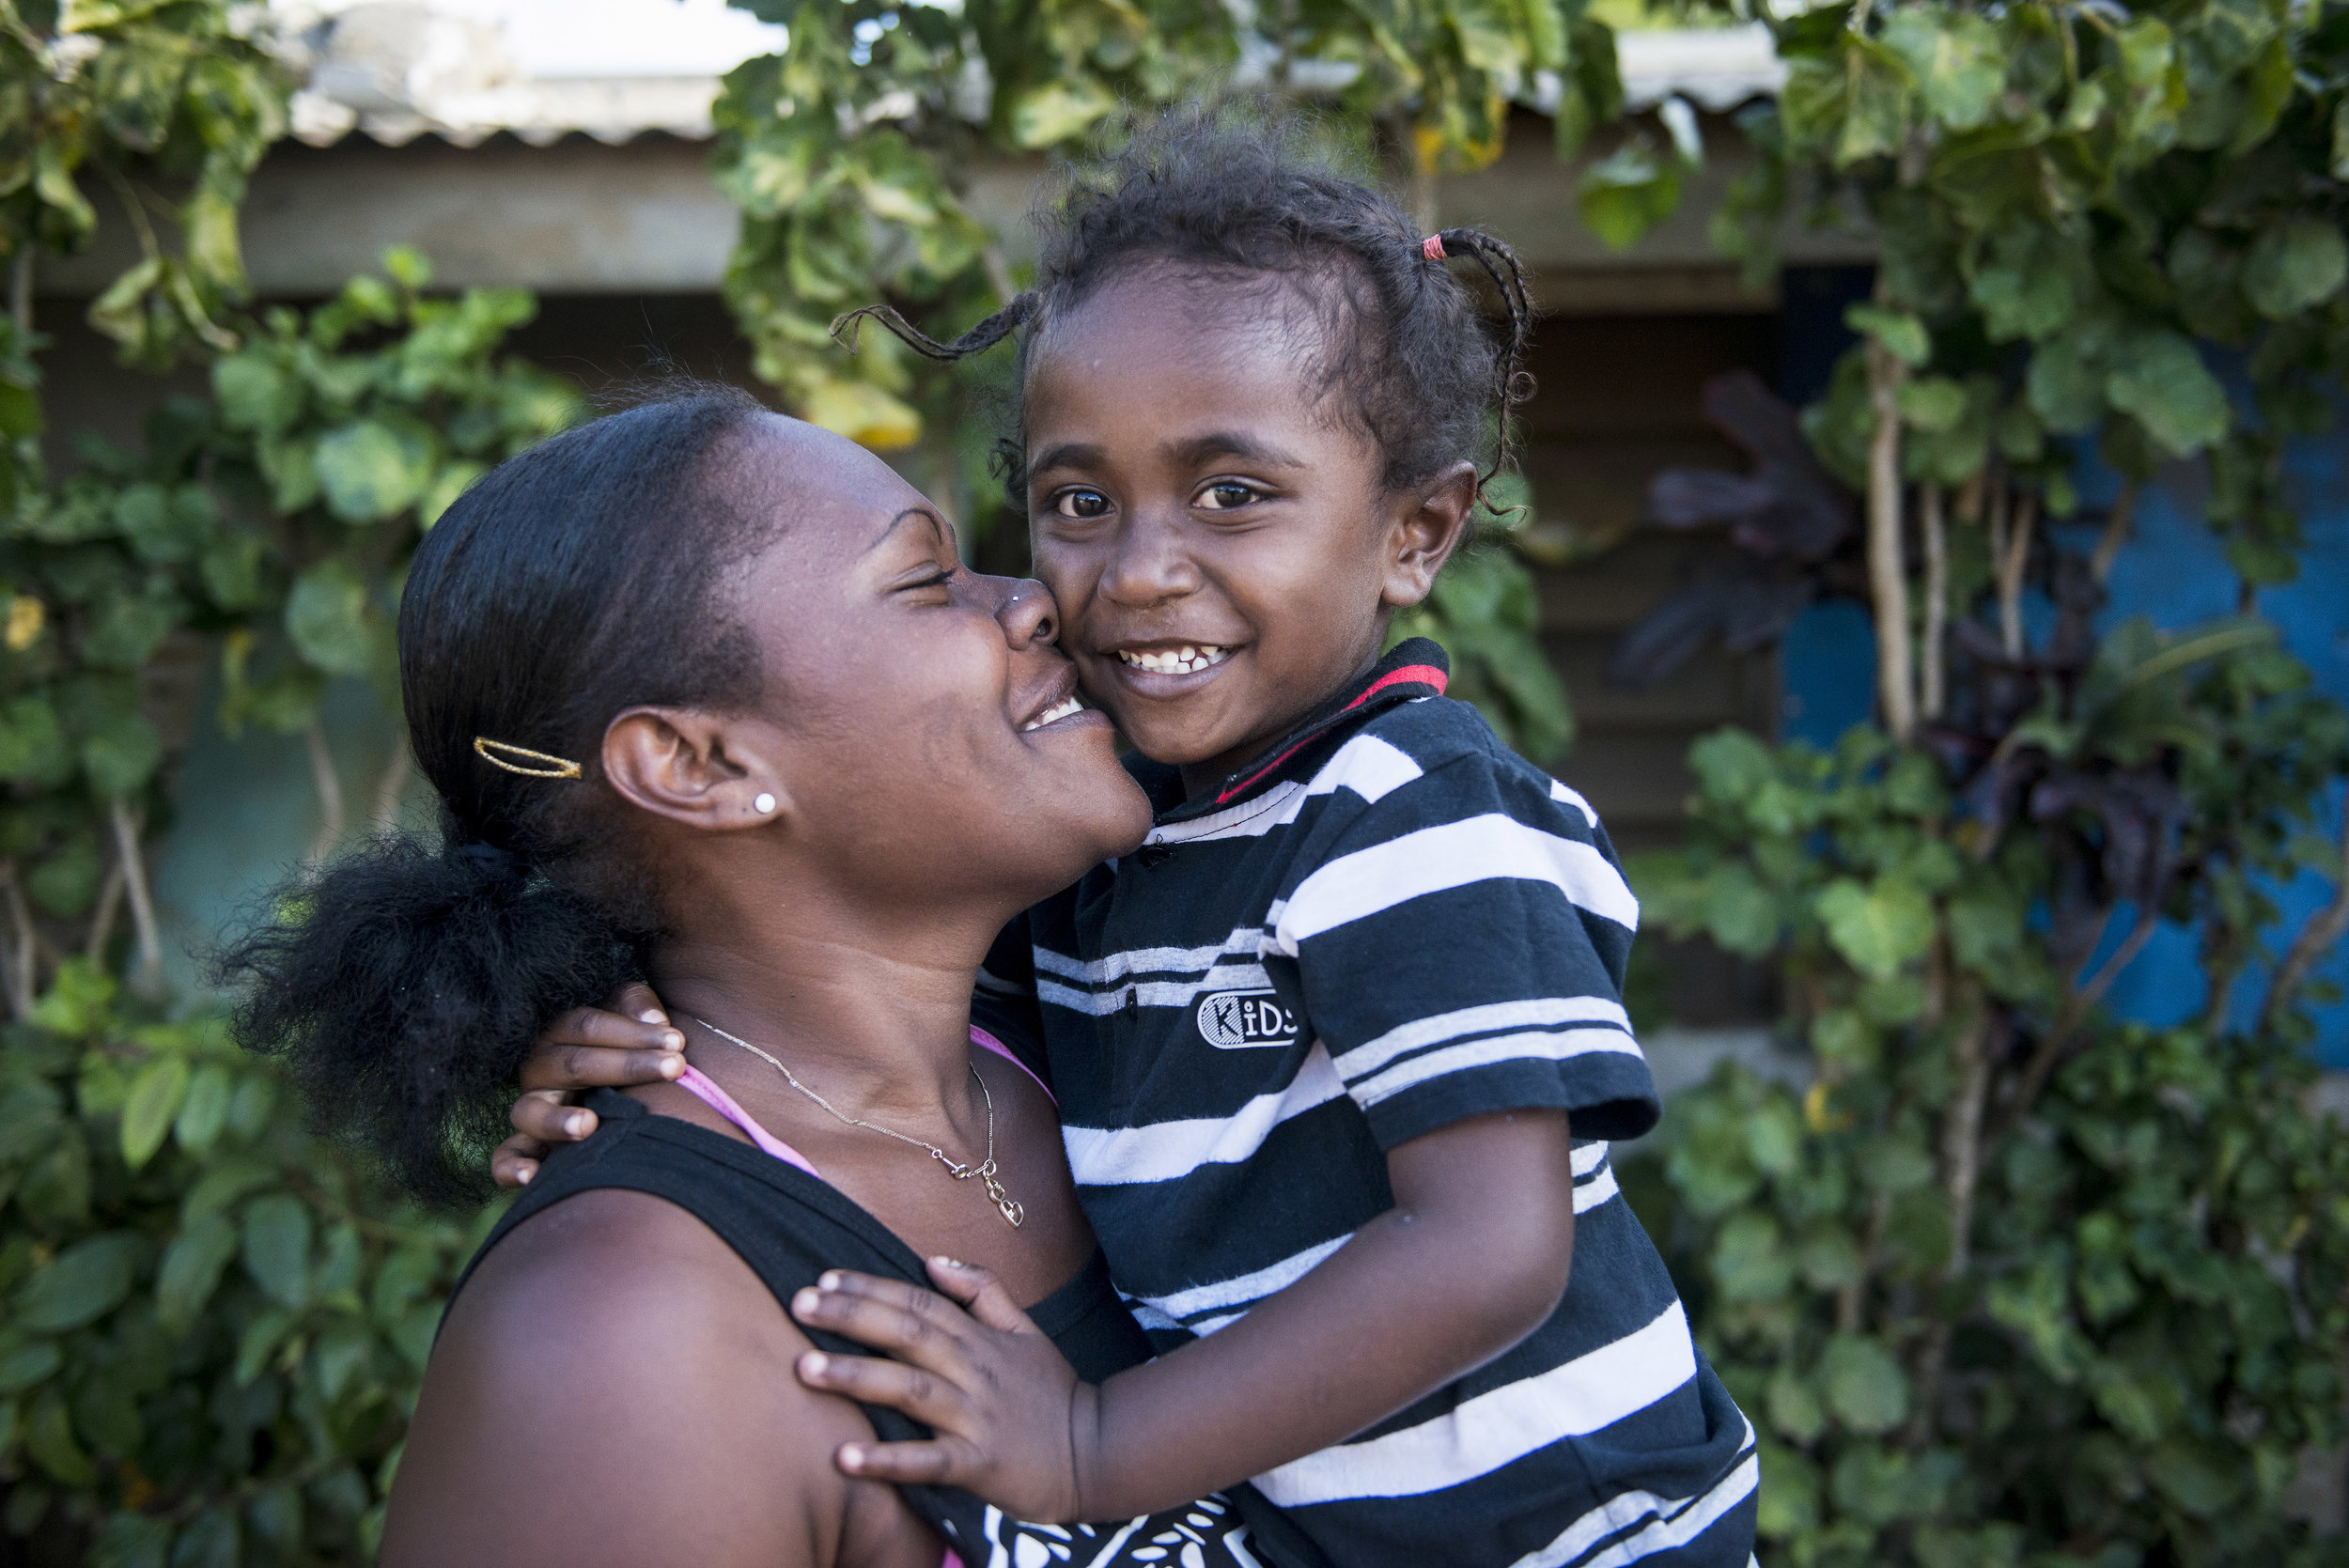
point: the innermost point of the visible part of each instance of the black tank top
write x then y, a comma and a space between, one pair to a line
789, 1227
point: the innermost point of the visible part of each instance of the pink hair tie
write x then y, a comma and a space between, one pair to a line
1432, 247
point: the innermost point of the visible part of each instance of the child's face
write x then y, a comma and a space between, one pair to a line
1222, 541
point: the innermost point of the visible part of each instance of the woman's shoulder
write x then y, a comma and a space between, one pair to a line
614, 1384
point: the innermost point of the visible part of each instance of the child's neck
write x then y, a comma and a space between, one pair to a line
1209, 775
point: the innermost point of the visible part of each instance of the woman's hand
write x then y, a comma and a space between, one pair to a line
1009, 1413
628, 1041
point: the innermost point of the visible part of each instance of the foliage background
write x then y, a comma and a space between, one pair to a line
2012, 1280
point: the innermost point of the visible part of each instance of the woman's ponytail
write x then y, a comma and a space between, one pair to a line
408, 993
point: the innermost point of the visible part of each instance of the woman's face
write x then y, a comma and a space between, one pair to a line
925, 726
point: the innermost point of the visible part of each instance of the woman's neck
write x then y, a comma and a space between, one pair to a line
882, 1027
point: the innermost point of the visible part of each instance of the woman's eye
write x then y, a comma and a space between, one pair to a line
942, 580
1080, 503
1225, 496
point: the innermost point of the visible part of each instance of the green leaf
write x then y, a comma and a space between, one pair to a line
2159, 377
262, 1338
1794, 1406
218, 1188
20, 412
205, 1110
1740, 913
1628, 193
87, 1280
1932, 403
2201, 1483
249, 1107
327, 617
49, 1438
452, 481
1059, 111
120, 753
33, 746
25, 1363
1864, 1385
231, 570
1774, 1137
1789, 1494
371, 471
863, 413
191, 1271
212, 1541
1955, 57
2294, 266
1876, 102
1903, 334
255, 395
154, 1101
277, 1249
1877, 928
1750, 1263
2063, 386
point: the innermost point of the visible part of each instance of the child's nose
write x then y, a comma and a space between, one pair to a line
1149, 566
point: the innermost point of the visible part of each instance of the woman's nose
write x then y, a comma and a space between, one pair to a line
1027, 612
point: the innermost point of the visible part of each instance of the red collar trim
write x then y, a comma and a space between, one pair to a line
1407, 675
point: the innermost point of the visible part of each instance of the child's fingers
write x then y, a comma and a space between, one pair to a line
869, 1379
549, 1116
897, 1321
574, 1066
595, 1026
635, 1001
516, 1160
982, 1293
939, 1462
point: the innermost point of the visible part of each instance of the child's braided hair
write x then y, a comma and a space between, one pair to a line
1400, 335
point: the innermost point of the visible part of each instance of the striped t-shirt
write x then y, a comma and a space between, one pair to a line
1392, 924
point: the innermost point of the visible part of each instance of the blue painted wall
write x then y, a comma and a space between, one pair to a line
2173, 572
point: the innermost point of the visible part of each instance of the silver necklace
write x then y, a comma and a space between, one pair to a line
985, 1170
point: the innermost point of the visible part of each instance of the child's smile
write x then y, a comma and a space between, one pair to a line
1217, 530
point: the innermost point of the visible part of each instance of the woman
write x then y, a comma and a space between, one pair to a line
709, 700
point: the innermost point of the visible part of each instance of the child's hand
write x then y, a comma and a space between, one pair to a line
1006, 1408
629, 1041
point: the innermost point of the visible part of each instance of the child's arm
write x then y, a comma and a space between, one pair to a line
1474, 1257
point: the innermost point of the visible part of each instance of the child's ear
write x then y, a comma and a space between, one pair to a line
1433, 520
694, 768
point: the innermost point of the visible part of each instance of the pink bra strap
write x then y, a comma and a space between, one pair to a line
981, 1037
704, 1089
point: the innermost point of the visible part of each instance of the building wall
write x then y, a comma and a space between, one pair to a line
626, 246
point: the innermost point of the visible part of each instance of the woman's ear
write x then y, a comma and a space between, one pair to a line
1433, 520
695, 767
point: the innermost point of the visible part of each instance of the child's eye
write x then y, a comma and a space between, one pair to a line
1226, 494
1079, 504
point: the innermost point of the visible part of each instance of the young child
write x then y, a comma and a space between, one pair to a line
1320, 1043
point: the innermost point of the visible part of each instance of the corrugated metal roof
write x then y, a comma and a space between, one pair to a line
393, 71
611, 109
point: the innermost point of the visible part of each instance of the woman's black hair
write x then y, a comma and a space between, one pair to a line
1401, 336
405, 983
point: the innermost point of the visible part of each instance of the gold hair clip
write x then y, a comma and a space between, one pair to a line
550, 768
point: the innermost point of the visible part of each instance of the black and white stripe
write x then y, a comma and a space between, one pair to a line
1446, 928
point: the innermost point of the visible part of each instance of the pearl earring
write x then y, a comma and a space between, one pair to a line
764, 804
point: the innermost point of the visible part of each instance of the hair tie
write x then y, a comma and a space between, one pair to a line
495, 864
547, 766
1432, 247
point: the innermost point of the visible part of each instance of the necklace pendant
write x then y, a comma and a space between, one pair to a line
1011, 1211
